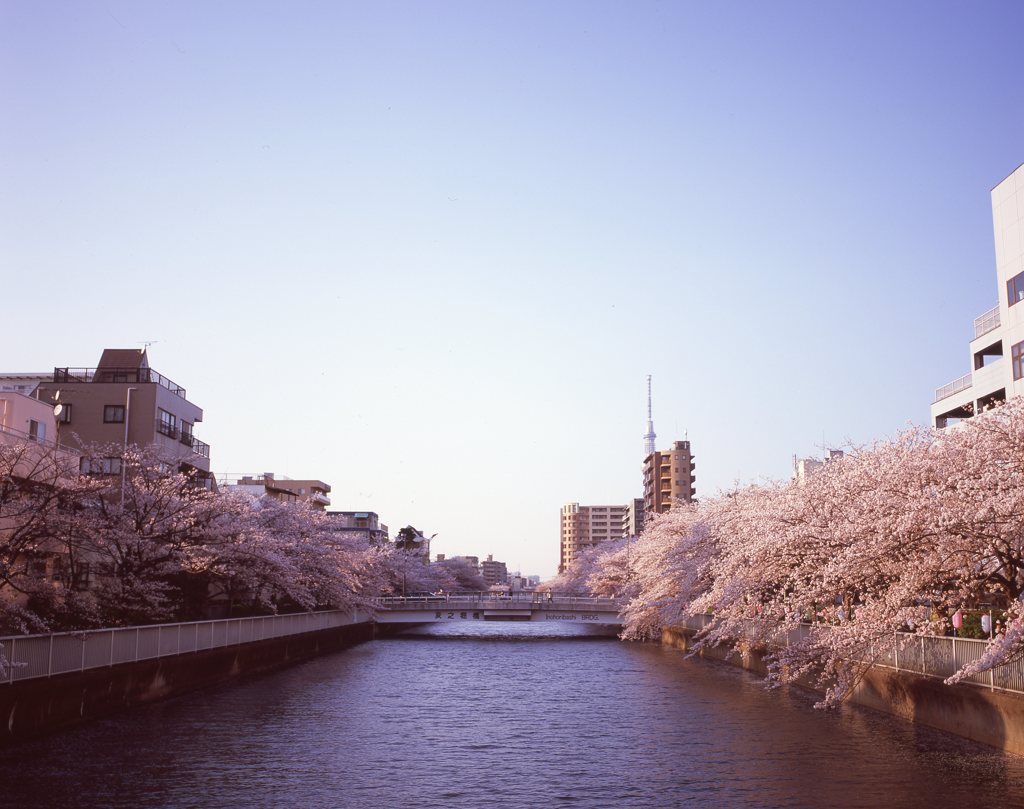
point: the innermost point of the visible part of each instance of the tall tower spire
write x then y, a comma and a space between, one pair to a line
649, 438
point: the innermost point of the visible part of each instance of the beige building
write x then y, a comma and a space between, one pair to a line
582, 527
633, 519
669, 478
314, 492
996, 352
362, 523
804, 468
123, 401
493, 572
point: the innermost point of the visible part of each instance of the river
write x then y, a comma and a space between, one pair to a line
504, 715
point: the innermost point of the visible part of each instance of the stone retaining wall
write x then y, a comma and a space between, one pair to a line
32, 707
995, 718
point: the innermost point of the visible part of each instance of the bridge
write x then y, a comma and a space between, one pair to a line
597, 610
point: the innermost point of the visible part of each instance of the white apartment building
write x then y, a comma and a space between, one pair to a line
584, 526
999, 332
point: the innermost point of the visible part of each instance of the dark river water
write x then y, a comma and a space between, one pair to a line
504, 715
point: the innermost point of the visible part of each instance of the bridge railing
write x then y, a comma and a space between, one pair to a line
936, 656
492, 601
24, 657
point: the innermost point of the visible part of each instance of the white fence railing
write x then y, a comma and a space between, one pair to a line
957, 385
24, 657
985, 323
927, 655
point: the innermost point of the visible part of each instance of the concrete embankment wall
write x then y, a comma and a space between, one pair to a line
32, 707
991, 717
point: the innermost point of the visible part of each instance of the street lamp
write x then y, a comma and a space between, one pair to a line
58, 408
124, 451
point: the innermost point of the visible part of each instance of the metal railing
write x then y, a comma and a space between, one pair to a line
182, 437
67, 376
936, 656
985, 323
490, 601
45, 442
957, 385
25, 657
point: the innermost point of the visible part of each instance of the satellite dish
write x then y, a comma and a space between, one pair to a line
56, 396
58, 409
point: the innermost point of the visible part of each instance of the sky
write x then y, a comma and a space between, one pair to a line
428, 252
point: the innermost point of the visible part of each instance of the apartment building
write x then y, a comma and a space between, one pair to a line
314, 492
493, 572
123, 401
669, 478
582, 527
999, 332
804, 468
22, 382
361, 523
33, 464
633, 519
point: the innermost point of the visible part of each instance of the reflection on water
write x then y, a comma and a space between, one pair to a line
476, 714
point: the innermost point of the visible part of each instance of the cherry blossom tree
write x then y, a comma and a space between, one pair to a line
825, 576
39, 487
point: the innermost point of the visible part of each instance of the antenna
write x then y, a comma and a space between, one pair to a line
649, 437
148, 343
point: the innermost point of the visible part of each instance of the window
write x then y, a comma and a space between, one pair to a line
1017, 354
100, 466
186, 433
167, 423
113, 414
36, 430
65, 414
1015, 289
82, 577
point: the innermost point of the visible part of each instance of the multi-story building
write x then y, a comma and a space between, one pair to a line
23, 383
314, 492
473, 561
999, 332
34, 463
633, 519
669, 478
362, 523
493, 572
803, 468
582, 527
123, 401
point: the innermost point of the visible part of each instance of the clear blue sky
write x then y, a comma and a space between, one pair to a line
428, 252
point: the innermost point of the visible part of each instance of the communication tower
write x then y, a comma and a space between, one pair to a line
649, 437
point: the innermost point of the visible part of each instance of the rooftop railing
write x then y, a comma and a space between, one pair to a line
957, 385
985, 323
135, 376
46, 442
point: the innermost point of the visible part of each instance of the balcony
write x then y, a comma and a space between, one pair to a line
957, 385
133, 376
166, 428
185, 438
987, 322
